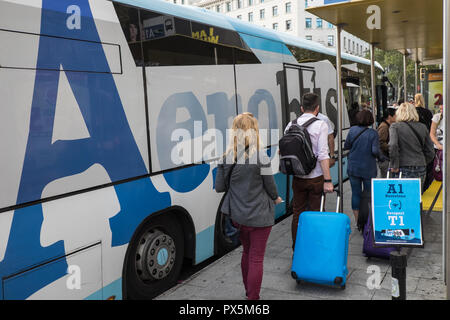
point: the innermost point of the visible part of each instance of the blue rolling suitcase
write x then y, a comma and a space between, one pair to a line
321, 247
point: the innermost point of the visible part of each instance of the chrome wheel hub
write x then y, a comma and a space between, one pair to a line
155, 255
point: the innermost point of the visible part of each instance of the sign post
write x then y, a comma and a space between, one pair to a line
397, 222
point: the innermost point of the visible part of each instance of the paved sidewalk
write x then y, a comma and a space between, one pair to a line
222, 280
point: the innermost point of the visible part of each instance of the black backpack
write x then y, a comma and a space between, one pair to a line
296, 154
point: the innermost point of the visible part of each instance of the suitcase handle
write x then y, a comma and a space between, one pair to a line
338, 200
389, 171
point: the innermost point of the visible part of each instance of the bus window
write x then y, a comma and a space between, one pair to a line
305, 55
169, 41
245, 57
129, 20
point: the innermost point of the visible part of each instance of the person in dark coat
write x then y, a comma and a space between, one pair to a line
363, 143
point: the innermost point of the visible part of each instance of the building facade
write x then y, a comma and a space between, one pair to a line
287, 16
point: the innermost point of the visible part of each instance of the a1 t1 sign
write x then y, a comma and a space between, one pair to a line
396, 212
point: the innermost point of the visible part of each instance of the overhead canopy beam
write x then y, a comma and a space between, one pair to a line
403, 24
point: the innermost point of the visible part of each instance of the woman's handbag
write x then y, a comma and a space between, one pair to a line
437, 166
231, 231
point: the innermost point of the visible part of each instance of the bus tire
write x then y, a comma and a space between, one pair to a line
154, 259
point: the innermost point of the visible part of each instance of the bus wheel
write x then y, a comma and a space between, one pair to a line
223, 243
155, 258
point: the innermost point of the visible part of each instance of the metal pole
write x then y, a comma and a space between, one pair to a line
405, 96
373, 80
416, 68
339, 111
398, 263
416, 80
446, 197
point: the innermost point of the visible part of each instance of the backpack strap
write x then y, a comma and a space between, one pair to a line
309, 122
306, 124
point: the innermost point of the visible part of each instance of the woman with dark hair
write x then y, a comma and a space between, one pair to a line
383, 133
364, 146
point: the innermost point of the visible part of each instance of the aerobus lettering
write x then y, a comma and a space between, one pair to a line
166, 125
46, 162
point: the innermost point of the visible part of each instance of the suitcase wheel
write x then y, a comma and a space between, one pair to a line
294, 275
338, 280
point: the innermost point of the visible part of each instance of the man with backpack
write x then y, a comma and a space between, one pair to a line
304, 154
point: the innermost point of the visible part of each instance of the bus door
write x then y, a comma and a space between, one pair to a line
296, 81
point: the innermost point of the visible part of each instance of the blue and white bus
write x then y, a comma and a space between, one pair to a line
92, 205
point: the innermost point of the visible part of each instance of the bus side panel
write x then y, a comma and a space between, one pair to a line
190, 109
263, 99
72, 132
84, 277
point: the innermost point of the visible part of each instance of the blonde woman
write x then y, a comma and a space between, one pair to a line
251, 197
410, 146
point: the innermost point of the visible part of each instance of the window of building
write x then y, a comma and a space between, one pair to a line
275, 26
261, 1
345, 42
228, 6
218, 8
306, 3
250, 16
331, 41
288, 7
261, 14
308, 23
330, 25
319, 23
275, 11
308, 37
239, 4
250, 2
288, 25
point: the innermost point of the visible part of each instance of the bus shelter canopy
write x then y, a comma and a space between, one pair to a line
415, 26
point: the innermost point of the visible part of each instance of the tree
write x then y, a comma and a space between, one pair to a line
392, 62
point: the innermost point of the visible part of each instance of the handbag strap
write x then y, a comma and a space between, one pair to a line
229, 175
359, 134
416, 134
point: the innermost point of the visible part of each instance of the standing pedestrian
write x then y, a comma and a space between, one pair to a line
425, 115
437, 129
308, 189
363, 143
437, 136
250, 199
383, 133
410, 146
